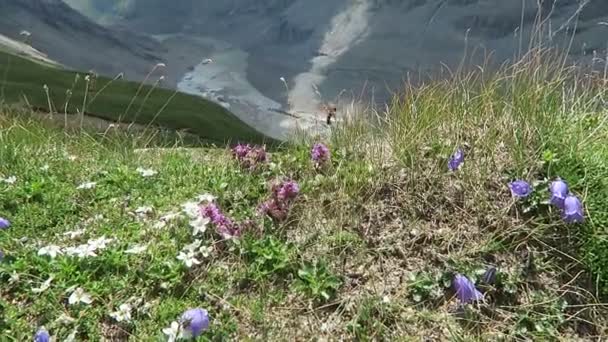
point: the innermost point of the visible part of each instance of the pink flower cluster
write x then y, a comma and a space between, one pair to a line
224, 226
279, 203
250, 156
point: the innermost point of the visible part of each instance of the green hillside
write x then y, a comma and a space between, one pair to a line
23, 81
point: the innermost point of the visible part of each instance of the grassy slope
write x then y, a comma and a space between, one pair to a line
386, 221
21, 78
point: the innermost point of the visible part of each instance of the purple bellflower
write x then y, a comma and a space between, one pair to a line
195, 322
4, 223
456, 160
573, 210
42, 335
465, 290
520, 188
559, 192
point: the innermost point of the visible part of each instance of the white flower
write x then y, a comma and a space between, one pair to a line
206, 198
99, 243
79, 296
146, 172
44, 286
189, 258
14, 278
172, 332
136, 249
199, 225
123, 313
45, 167
10, 180
82, 251
87, 186
193, 246
74, 233
145, 309
206, 251
191, 209
51, 251
72, 157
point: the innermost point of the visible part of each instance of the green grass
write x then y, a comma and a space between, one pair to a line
23, 81
369, 247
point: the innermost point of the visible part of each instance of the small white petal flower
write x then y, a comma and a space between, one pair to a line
79, 296
123, 314
45, 167
10, 180
72, 157
100, 243
199, 225
193, 246
44, 286
191, 209
146, 172
189, 258
81, 251
137, 249
51, 251
87, 186
14, 278
206, 251
172, 332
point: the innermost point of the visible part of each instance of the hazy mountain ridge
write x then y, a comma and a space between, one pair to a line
401, 36
72, 39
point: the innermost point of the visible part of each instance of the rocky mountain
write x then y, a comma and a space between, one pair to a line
351, 44
70, 38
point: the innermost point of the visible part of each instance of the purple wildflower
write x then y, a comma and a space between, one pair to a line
456, 160
287, 190
1, 255
320, 154
258, 155
273, 209
4, 223
249, 156
42, 335
559, 192
195, 321
224, 226
520, 188
283, 194
240, 151
573, 210
465, 290
212, 212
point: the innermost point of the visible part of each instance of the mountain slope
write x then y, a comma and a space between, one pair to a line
26, 81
